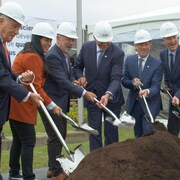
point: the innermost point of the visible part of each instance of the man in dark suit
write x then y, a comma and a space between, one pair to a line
149, 77
169, 33
11, 18
59, 83
102, 61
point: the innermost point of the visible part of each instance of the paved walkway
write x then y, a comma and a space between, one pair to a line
40, 174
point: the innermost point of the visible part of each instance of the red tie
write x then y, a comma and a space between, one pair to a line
6, 51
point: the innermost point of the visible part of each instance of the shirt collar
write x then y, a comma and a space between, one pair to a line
174, 53
1, 38
98, 49
144, 58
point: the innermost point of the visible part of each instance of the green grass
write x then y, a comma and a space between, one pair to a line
40, 153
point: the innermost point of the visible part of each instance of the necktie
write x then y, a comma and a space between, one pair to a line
140, 66
6, 51
67, 62
171, 61
100, 58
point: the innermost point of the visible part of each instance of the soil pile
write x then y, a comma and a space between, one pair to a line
153, 157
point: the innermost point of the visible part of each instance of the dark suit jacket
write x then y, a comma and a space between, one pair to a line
8, 87
107, 77
58, 84
172, 80
151, 79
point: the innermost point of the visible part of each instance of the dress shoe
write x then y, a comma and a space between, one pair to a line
49, 174
17, 177
59, 177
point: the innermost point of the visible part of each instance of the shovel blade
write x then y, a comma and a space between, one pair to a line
127, 119
88, 129
68, 165
115, 122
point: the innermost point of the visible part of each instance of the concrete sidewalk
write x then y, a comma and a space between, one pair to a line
40, 174
41, 139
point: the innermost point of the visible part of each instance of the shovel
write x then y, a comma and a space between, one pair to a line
113, 119
149, 112
176, 113
83, 127
70, 163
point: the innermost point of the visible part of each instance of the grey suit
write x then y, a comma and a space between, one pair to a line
58, 85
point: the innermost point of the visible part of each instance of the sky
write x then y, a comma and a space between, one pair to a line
92, 10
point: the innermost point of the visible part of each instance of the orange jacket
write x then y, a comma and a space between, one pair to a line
26, 112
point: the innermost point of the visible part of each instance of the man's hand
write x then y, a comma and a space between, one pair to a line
34, 99
105, 98
175, 101
57, 110
137, 82
27, 76
143, 92
82, 81
89, 96
76, 83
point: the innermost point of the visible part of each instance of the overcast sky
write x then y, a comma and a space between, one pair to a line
92, 10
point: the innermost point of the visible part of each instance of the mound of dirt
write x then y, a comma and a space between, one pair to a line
153, 157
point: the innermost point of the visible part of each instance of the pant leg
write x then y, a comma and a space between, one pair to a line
138, 114
0, 142
15, 152
173, 122
95, 121
110, 131
54, 144
26, 134
147, 125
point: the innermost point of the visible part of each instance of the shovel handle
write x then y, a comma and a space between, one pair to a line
106, 109
52, 123
147, 107
69, 119
177, 107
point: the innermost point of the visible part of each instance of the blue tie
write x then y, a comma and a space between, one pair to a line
140, 66
100, 58
171, 61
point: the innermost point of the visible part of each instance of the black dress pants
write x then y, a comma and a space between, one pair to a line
23, 143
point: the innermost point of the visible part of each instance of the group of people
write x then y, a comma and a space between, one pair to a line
144, 75
99, 71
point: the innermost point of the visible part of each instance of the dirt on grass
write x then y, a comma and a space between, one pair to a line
152, 157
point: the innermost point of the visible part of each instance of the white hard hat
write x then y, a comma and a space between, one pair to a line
67, 29
103, 32
142, 36
168, 29
43, 29
14, 11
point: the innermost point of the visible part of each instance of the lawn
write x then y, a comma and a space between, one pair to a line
40, 153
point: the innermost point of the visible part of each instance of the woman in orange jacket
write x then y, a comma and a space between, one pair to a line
23, 116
